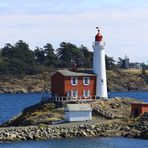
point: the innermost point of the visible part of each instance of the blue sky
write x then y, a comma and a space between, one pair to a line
124, 24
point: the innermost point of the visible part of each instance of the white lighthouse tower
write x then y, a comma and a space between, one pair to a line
99, 67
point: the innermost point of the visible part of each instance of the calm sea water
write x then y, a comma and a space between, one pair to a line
137, 95
13, 104
95, 142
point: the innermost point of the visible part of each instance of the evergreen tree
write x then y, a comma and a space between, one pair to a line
68, 53
18, 59
110, 63
50, 57
87, 57
39, 55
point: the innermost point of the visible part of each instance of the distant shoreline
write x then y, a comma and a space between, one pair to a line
120, 80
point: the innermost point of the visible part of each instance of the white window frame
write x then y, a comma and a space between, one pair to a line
74, 92
84, 93
72, 81
68, 94
84, 80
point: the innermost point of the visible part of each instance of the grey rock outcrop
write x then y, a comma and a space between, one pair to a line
65, 131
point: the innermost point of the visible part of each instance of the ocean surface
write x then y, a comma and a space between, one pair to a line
13, 104
94, 142
137, 95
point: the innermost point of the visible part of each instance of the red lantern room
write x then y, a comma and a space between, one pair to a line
99, 36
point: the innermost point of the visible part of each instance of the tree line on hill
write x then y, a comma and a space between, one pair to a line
20, 59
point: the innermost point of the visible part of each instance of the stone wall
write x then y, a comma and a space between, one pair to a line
66, 131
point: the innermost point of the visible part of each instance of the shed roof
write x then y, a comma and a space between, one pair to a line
139, 103
71, 73
78, 107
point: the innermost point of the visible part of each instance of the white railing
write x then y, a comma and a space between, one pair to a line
103, 111
68, 99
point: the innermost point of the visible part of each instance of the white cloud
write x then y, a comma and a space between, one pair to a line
124, 28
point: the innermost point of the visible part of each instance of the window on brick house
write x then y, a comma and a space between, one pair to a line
74, 93
74, 81
86, 93
68, 94
86, 80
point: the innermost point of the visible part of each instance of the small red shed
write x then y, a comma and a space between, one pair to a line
73, 84
138, 109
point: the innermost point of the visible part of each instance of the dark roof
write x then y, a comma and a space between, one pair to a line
75, 74
139, 103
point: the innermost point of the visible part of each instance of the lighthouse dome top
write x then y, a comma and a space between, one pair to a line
99, 36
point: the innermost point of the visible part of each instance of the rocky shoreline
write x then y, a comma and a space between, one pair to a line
16, 90
65, 131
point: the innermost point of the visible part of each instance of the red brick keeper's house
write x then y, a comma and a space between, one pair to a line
73, 84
